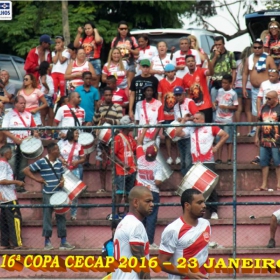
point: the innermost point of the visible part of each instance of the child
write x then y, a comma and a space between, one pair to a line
108, 246
227, 103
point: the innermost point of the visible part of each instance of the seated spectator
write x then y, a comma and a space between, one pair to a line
7, 90
274, 221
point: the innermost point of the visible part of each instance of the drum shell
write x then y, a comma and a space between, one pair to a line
105, 134
171, 131
87, 141
27, 147
64, 199
73, 186
201, 178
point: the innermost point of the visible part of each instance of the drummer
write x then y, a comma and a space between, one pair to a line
51, 176
202, 149
18, 117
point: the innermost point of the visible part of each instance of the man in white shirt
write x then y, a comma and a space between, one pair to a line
179, 57
130, 239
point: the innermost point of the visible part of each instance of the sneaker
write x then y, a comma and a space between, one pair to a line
178, 160
66, 246
154, 246
271, 243
73, 218
116, 217
218, 161
169, 160
214, 216
256, 160
21, 190
229, 162
252, 133
48, 246
98, 158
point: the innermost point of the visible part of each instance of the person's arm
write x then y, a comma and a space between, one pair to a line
28, 173
97, 37
140, 139
245, 75
62, 59
43, 106
44, 83
92, 71
131, 102
10, 135
210, 71
10, 182
259, 104
271, 63
78, 36
79, 161
31, 62
104, 78
223, 138
68, 73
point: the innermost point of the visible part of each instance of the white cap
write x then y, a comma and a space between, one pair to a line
125, 120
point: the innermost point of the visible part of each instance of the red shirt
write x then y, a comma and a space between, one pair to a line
124, 153
90, 51
119, 97
167, 98
196, 84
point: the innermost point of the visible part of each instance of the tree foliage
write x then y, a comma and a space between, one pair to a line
34, 18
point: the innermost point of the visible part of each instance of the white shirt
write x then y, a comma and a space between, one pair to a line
182, 240
149, 53
159, 64
65, 149
130, 231
266, 87
58, 67
49, 81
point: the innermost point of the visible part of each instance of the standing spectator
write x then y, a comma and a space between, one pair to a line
51, 176
138, 82
256, 67
179, 57
224, 63
117, 67
70, 114
146, 51
18, 117
91, 42
72, 157
195, 83
37, 55
267, 138
227, 103
47, 87
119, 96
33, 97
60, 60
149, 112
272, 83
75, 69
195, 46
125, 147
167, 98
240, 64
106, 112
150, 175
7, 90
89, 97
272, 42
128, 47
183, 107
10, 217
160, 61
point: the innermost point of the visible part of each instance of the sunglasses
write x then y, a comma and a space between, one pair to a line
268, 98
272, 70
273, 27
257, 48
123, 29
26, 79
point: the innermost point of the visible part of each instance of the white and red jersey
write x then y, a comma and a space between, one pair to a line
78, 68
266, 87
119, 97
32, 100
149, 113
202, 139
17, 119
148, 171
159, 64
114, 69
59, 67
65, 118
182, 240
145, 53
130, 231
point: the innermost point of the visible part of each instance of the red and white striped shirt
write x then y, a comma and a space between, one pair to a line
75, 69
182, 240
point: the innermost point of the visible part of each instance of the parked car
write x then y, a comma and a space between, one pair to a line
171, 36
14, 65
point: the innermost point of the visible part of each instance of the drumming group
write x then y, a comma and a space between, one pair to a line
145, 85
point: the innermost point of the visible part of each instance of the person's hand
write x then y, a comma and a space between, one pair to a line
41, 180
78, 74
181, 67
34, 111
257, 141
245, 93
18, 141
214, 107
20, 183
126, 167
217, 53
75, 163
173, 49
160, 72
223, 107
61, 184
179, 119
80, 30
215, 149
131, 116
128, 48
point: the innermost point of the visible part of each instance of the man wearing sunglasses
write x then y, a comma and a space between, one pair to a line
267, 138
256, 67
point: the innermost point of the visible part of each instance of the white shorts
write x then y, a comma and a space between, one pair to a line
255, 92
277, 215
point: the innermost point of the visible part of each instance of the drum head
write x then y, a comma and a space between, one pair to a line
85, 138
59, 198
30, 145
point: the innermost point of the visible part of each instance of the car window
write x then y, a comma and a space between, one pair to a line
204, 43
20, 65
8, 65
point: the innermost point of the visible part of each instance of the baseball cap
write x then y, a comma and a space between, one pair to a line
125, 120
178, 90
145, 62
146, 86
169, 67
258, 41
46, 39
151, 153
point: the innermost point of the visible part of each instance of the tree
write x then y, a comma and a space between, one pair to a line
232, 11
65, 22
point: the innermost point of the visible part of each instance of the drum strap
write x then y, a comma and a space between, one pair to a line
50, 165
197, 143
180, 109
70, 157
20, 117
77, 123
145, 111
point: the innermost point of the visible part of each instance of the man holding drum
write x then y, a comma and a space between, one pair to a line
18, 117
51, 171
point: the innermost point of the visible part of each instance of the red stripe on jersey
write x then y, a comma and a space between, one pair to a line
137, 243
184, 229
165, 253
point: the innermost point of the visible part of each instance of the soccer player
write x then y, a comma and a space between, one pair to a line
187, 237
130, 237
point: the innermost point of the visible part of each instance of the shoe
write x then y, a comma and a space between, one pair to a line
66, 246
178, 160
154, 246
256, 160
21, 190
218, 161
214, 216
48, 246
98, 158
238, 134
169, 160
73, 218
252, 133
229, 162
116, 217
271, 243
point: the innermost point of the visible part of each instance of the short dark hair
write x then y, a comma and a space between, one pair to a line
107, 88
71, 46
189, 55
219, 38
4, 149
51, 146
70, 135
114, 224
111, 78
86, 73
228, 77
187, 196
18, 97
